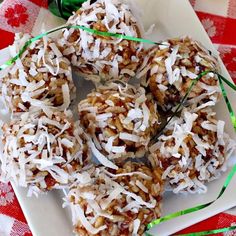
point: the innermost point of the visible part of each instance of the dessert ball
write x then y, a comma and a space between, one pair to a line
98, 57
120, 120
41, 77
170, 68
192, 151
42, 152
117, 203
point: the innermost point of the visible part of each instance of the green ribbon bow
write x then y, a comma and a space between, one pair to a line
64, 8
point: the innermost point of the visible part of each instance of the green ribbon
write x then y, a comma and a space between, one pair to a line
206, 232
231, 85
221, 80
89, 30
232, 172
177, 109
24, 48
193, 83
196, 208
231, 112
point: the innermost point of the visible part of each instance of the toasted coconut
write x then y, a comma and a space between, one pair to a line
170, 68
42, 152
41, 77
117, 203
120, 120
99, 57
192, 151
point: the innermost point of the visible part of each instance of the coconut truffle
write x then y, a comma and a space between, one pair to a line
168, 71
41, 151
100, 57
40, 77
120, 119
117, 203
192, 151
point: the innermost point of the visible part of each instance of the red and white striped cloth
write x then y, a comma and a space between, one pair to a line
218, 18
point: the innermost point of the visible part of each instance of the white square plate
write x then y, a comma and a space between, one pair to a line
172, 18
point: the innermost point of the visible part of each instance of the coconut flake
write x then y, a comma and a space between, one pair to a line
169, 62
199, 142
55, 49
140, 201
104, 116
110, 103
141, 186
209, 126
22, 77
162, 87
67, 143
132, 115
220, 132
146, 115
167, 171
118, 149
85, 222
164, 45
101, 158
204, 105
144, 176
66, 97
33, 72
136, 225
113, 195
109, 145
129, 137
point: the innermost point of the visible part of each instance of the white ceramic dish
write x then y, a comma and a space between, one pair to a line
173, 18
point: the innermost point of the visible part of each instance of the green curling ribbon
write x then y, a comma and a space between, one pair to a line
89, 30
210, 232
196, 208
177, 109
221, 80
24, 48
207, 232
64, 8
231, 112
231, 85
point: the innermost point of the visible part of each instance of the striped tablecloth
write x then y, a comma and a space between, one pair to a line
218, 18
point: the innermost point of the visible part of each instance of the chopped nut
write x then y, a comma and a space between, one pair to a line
114, 121
170, 86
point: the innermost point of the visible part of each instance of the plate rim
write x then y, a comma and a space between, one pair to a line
23, 201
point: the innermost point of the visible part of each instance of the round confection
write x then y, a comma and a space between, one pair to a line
170, 68
41, 151
40, 77
103, 57
117, 203
192, 151
120, 120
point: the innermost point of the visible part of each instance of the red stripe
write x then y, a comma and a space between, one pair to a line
228, 54
41, 3
216, 222
230, 31
7, 38
225, 28
12, 208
